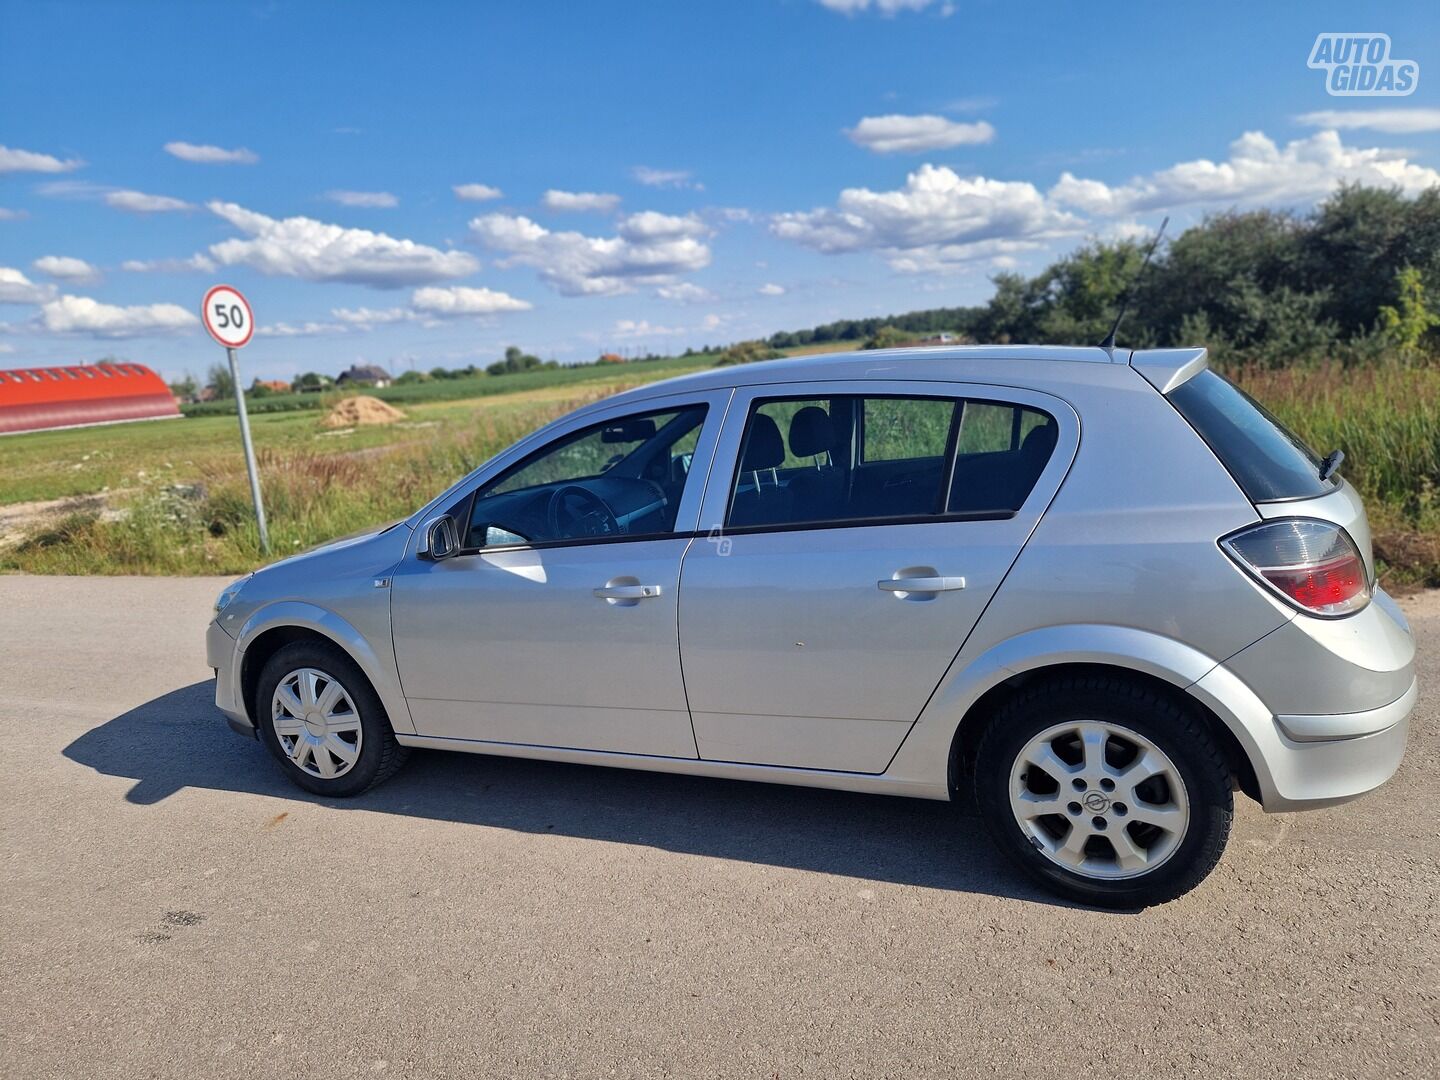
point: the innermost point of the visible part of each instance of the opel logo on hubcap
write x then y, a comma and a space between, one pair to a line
1097, 802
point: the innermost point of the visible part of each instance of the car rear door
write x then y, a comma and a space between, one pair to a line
849, 555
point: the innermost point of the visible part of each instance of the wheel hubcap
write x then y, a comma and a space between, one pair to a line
316, 723
1099, 799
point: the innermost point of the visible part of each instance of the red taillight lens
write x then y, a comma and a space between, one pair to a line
1312, 564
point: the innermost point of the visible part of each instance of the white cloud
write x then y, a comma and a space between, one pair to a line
82, 315
685, 292
367, 317
16, 288
307, 329
771, 289
1390, 121
477, 192
6, 214
12, 160
663, 178
940, 220
6, 347
937, 219
632, 329
137, 202
884, 7
1256, 170
201, 154
897, 134
651, 249
372, 200
317, 251
462, 300
195, 264
65, 268
579, 201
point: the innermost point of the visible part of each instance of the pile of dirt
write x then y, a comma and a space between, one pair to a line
358, 410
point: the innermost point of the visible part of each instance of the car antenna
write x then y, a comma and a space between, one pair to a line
1109, 343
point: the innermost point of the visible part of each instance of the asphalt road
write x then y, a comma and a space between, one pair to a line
173, 908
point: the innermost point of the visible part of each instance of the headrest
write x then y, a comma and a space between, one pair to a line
764, 449
811, 432
1040, 441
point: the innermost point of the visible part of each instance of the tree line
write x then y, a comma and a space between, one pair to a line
1354, 280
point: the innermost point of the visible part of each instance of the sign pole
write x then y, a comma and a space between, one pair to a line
249, 451
229, 320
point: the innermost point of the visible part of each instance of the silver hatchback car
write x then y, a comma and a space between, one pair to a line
1093, 591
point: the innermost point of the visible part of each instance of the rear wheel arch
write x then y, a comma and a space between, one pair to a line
972, 725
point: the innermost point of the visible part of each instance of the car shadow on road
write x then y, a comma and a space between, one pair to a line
179, 740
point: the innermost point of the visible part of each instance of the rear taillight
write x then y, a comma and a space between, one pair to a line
1312, 564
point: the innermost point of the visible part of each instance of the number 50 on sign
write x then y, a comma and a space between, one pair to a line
227, 317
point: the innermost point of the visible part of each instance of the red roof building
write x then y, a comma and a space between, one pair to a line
32, 399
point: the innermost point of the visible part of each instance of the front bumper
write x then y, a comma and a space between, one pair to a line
220, 654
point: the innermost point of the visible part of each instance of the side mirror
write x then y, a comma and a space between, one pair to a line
440, 538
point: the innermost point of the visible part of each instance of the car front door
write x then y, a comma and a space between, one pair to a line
555, 623
855, 533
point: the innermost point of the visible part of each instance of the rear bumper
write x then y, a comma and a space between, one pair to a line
1306, 762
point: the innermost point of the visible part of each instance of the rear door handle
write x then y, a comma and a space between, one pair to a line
627, 592
921, 584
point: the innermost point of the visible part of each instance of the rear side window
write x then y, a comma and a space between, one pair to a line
886, 458
1267, 460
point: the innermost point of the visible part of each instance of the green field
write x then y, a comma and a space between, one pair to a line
173, 497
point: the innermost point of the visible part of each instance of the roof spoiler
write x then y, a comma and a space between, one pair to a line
1165, 369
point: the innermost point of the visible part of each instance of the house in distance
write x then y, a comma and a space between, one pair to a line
367, 375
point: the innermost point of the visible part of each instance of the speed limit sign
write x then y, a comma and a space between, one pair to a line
227, 317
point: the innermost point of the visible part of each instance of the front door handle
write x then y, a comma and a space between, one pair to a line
921, 584
627, 592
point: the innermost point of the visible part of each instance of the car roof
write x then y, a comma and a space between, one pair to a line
931, 363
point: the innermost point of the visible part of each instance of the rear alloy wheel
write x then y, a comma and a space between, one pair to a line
1110, 793
1099, 799
322, 719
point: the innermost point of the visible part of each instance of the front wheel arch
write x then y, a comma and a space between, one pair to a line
258, 654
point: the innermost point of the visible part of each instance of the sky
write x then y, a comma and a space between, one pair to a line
420, 185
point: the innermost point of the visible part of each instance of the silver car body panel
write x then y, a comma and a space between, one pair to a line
835, 670
1121, 568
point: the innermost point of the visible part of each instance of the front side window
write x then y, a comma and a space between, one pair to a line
616, 479
859, 458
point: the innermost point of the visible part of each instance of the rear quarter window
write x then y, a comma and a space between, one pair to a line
1266, 458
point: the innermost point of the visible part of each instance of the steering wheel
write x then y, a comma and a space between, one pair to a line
595, 518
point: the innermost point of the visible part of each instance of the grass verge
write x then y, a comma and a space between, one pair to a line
176, 499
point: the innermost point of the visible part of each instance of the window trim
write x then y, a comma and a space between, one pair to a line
950, 392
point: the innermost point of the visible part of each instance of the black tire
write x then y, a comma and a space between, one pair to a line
380, 755
1177, 732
